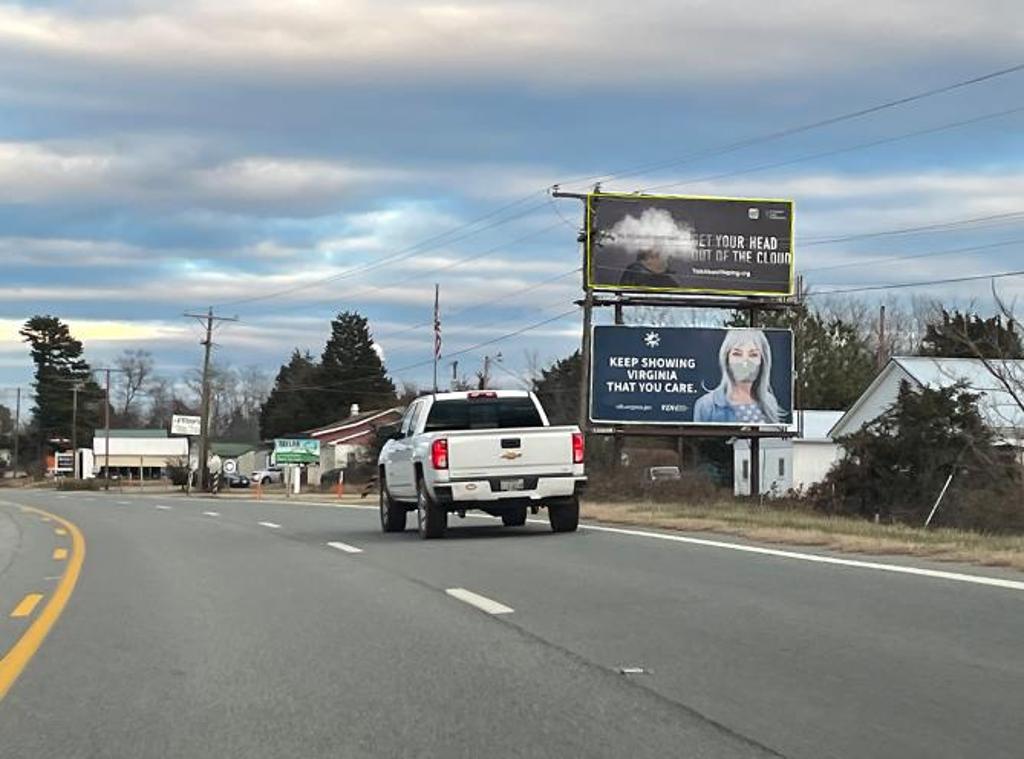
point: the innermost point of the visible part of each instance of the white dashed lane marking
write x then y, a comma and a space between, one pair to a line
481, 602
271, 525
211, 513
345, 547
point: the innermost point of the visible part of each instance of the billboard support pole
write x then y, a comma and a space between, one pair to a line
755, 443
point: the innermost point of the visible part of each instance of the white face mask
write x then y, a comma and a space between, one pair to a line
744, 369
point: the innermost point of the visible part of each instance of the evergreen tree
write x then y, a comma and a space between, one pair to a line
558, 389
897, 465
833, 363
59, 368
351, 371
290, 406
967, 335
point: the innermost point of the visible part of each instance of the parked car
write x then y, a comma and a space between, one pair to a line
271, 474
236, 480
492, 450
661, 473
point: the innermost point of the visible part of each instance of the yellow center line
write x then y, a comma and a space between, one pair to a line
18, 656
60, 554
27, 605
60, 531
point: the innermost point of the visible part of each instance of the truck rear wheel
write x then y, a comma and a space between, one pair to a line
433, 519
564, 514
392, 515
514, 517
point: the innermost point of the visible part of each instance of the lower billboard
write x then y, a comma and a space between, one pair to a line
692, 376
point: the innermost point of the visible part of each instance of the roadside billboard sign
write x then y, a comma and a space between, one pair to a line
185, 425
677, 244
692, 376
296, 451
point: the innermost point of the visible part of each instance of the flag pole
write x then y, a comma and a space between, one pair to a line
437, 331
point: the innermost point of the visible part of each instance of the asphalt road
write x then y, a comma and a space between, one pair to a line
226, 628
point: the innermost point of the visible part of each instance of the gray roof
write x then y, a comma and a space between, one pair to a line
996, 403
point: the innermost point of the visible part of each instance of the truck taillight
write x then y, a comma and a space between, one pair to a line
439, 454
577, 447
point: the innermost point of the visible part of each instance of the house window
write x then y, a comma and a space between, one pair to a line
746, 469
782, 467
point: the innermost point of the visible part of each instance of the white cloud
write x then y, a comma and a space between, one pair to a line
477, 39
160, 173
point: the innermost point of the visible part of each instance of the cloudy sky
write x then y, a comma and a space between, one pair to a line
284, 161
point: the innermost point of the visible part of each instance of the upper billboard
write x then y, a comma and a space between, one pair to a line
684, 376
689, 244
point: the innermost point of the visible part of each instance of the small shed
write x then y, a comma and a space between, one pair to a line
792, 463
347, 442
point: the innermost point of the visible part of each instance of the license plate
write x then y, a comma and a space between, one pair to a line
511, 484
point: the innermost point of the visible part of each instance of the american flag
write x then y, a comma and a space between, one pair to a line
437, 323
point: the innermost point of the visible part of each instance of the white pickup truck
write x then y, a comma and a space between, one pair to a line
492, 450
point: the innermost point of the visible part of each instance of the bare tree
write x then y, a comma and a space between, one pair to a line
135, 369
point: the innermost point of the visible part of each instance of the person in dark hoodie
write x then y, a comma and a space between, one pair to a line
649, 270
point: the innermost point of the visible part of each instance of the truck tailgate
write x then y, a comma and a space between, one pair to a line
490, 453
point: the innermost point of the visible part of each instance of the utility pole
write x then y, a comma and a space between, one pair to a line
204, 411
17, 426
74, 428
106, 426
437, 331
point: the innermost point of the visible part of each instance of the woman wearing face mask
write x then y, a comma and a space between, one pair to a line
744, 395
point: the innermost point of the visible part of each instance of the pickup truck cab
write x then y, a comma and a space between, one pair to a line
492, 450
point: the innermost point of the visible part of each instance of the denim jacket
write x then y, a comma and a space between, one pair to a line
714, 407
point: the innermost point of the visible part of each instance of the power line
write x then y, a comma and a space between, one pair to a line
838, 151
418, 364
947, 281
799, 129
488, 302
940, 226
404, 253
418, 275
910, 257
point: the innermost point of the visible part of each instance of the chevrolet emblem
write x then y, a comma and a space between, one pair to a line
510, 455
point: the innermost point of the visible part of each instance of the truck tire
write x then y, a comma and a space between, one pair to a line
433, 519
514, 517
392, 515
564, 514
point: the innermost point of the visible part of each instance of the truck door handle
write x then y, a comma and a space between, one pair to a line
510, 442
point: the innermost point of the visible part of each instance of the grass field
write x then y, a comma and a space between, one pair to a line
803, 528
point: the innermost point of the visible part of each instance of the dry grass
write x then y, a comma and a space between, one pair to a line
802, 528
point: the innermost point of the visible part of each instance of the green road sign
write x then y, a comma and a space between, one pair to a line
296, 451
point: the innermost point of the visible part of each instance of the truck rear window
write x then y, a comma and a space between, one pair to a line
482, 414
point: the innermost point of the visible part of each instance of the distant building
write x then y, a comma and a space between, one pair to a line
240, 458
138, 453
792, 463
996, 404
348, 442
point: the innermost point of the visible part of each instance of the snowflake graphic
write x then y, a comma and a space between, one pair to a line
652, 339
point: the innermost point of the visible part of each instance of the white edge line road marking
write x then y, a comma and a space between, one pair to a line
271, 525
481, 602
163, 508
345, 547
211, 513
995, 582
895, 568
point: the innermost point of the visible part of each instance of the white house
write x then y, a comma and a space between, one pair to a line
996, 403
792, 463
